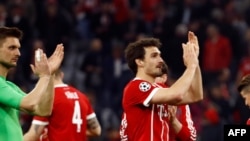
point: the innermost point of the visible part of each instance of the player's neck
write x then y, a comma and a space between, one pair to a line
57, 82
4, 71
146, 77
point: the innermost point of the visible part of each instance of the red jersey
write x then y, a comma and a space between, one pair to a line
68, 121
188, 131
217, 55
141, 120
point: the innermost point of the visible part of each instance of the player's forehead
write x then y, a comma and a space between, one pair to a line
11, 41
152, 50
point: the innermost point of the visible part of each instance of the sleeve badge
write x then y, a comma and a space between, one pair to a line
144, 86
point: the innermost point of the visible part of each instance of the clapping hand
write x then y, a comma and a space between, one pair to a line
172, 113
192, 38
44, 66
56, 58
40, 66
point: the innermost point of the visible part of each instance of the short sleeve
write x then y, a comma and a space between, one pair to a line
139, 92
40, 120
90, 111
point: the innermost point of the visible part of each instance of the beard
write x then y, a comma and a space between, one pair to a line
7, 65
157, 74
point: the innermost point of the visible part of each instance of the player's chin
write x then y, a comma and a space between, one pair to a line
11, 65
14, 64
158, 74
158, 69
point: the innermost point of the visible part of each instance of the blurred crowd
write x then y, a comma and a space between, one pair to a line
95, 33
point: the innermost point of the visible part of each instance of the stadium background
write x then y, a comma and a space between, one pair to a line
95, 32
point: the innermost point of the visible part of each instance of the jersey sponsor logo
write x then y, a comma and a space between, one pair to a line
162, 111
144, 86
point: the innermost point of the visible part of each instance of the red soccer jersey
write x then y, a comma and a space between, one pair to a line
141, 120
68, 121
188, 131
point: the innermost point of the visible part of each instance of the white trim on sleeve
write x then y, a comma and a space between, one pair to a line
90, 116
146, 101
39, 122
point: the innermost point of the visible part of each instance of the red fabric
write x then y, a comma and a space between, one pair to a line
148, 9
121, 10
184, 135
188, 131
140, 121
248, 121
217, 55
61, 125
212, 116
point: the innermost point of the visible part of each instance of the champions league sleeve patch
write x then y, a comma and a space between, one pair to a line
144, 86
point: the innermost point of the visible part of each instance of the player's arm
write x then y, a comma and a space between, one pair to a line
40, 100
184, 134
174, 122
176, 93
195, 93
34, 133
183, 127
93, 127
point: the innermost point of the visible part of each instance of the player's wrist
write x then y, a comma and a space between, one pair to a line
45, 76
192, 66
173, 120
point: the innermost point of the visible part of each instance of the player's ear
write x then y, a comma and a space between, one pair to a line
139, 62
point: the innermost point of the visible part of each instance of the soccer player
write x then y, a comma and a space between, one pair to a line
181, 126
145, 117
244, 89
12, 99
72, 118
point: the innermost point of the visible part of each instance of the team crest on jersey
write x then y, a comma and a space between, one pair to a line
144, 86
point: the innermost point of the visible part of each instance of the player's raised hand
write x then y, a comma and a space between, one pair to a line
56, 58
192, 38
40, 66
189, 56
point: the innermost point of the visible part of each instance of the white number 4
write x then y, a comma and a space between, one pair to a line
76, 119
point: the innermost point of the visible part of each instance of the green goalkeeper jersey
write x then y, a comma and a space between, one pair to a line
10, 99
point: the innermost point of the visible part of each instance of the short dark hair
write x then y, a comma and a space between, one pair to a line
245, 81
136, 50
10, 32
